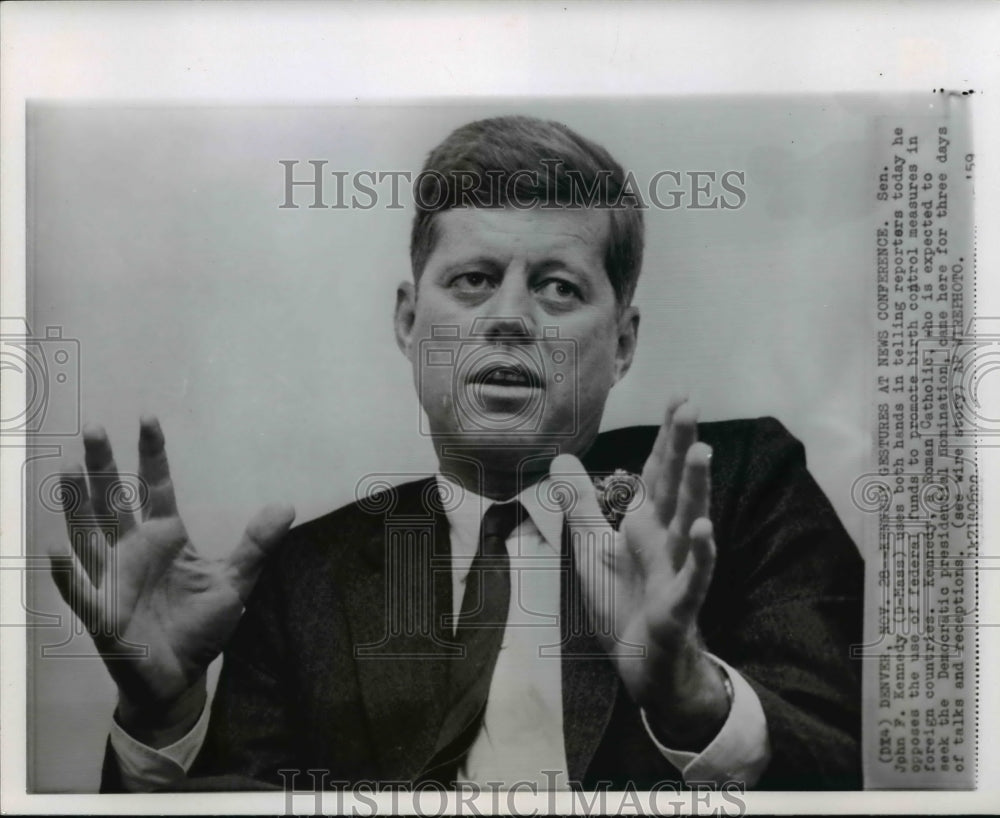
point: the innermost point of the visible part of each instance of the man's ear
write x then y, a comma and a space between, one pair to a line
628, 337
406, 313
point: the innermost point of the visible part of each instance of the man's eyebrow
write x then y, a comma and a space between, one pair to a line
481, 261
553, 264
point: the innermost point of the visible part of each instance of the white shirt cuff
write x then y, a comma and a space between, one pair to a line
741, 749
145, 769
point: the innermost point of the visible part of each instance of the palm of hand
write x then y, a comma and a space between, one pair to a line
175, 609
650, 620
644, 584
158, 611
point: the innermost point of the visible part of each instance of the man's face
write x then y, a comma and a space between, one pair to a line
514, 333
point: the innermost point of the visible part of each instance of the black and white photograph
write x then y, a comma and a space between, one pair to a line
505, 444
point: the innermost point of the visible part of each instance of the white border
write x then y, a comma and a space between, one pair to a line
297, 52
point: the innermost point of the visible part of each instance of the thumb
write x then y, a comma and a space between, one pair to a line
590, 534
263, 533
77, 590
573, 490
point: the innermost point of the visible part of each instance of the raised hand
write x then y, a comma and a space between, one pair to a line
158, 612
645, 583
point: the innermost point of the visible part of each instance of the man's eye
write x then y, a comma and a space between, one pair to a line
471, 282
559, 289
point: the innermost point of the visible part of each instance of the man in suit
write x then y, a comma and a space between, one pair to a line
496, 622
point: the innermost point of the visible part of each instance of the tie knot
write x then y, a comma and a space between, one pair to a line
501, 519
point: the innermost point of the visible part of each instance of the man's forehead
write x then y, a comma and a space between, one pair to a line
582, 231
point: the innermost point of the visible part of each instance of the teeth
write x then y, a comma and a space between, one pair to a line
506, 376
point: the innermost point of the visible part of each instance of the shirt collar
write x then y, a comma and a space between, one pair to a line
465, 513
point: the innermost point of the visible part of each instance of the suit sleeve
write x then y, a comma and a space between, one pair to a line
248, 739
785, 609
250, 733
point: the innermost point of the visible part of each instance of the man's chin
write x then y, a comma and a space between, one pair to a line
496, 438
504, 442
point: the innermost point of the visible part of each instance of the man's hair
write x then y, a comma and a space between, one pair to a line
525, 162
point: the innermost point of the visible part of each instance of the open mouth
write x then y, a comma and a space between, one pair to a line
506, 374
504, 391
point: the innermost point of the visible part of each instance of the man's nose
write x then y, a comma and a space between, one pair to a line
510, 311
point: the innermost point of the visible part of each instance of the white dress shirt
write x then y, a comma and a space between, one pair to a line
521, 738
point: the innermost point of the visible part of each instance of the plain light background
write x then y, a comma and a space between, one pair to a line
262, 336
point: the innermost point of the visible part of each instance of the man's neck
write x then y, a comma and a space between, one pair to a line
498, 473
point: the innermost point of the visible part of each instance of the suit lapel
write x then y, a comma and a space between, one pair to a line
591, 685
590, 682
399, 586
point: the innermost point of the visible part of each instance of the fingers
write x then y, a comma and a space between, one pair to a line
697, 572
76, 589
262, 534
692, 499
683, 434
88, 541
665, 478
155, 471
113, 514
654, 463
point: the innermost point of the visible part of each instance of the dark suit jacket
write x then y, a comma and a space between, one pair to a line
341, 661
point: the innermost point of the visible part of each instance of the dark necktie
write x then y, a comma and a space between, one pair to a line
479, 630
